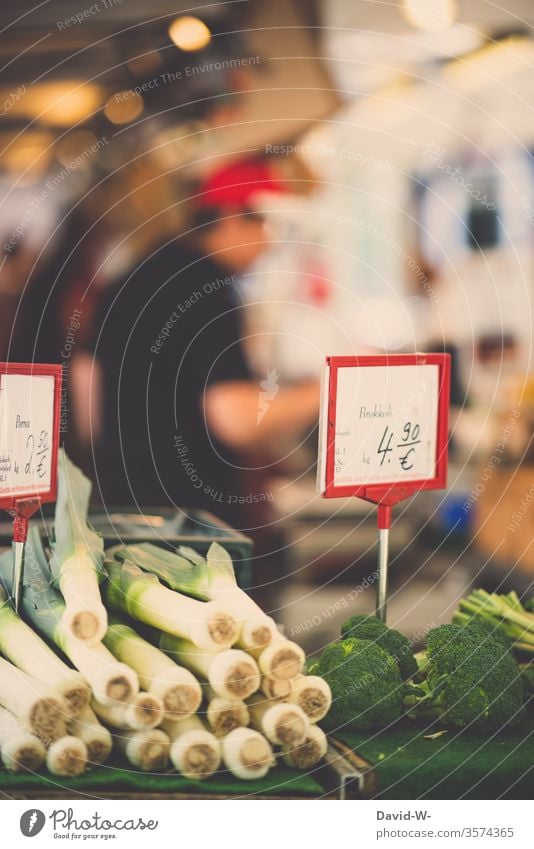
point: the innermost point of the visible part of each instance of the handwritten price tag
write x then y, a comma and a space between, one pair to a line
28, 431
383, 424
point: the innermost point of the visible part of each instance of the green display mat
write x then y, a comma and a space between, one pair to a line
453, 766
123, 782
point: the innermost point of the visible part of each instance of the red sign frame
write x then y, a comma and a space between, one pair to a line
389, 494
26, 505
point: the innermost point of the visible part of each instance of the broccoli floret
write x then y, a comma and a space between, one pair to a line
392, 641
481, 628
367, 691
472, 680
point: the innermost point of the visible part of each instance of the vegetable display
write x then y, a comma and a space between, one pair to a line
178, 668
182, 670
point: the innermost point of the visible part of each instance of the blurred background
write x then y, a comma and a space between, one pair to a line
387, 151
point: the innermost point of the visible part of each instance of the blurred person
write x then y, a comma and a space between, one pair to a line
180, 407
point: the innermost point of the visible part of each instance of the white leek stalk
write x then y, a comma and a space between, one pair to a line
96, 738
231, 673
206, 624
223, 715
78, 556
40, 708
177, 688
312, 694
67, 757
24, 648
20, 750
144, 711
110, 680
281, 659
283, 724
308, 754
195, 751
257, 629
247, 754
147, 750
207, 580
276, 688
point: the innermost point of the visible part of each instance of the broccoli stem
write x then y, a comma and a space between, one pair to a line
423, 662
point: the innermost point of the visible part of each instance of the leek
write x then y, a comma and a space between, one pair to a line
97, 739
144, 711
38, 707
44, 608
247, 754
232, 674
110, 680
78, 556
177, 688
195, 751
21, 645
147, 750
67, 757
20, 750
223, 715
211, 580
207, 625
312, 694
308, 754
283, 724
281, 659
276, 688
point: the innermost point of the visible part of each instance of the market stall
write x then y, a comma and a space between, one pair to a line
135, 664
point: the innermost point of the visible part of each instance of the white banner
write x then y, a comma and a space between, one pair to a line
316, 823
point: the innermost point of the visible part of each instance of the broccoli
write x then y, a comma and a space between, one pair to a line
471, 680
367, 691
392, 641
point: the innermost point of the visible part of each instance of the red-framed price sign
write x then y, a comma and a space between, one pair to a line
30, 397
383, 433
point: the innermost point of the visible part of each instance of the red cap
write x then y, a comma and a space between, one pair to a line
236, 184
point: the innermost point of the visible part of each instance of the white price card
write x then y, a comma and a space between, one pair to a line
383, 424
27, 423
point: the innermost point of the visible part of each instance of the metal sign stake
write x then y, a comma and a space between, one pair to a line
384, 522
